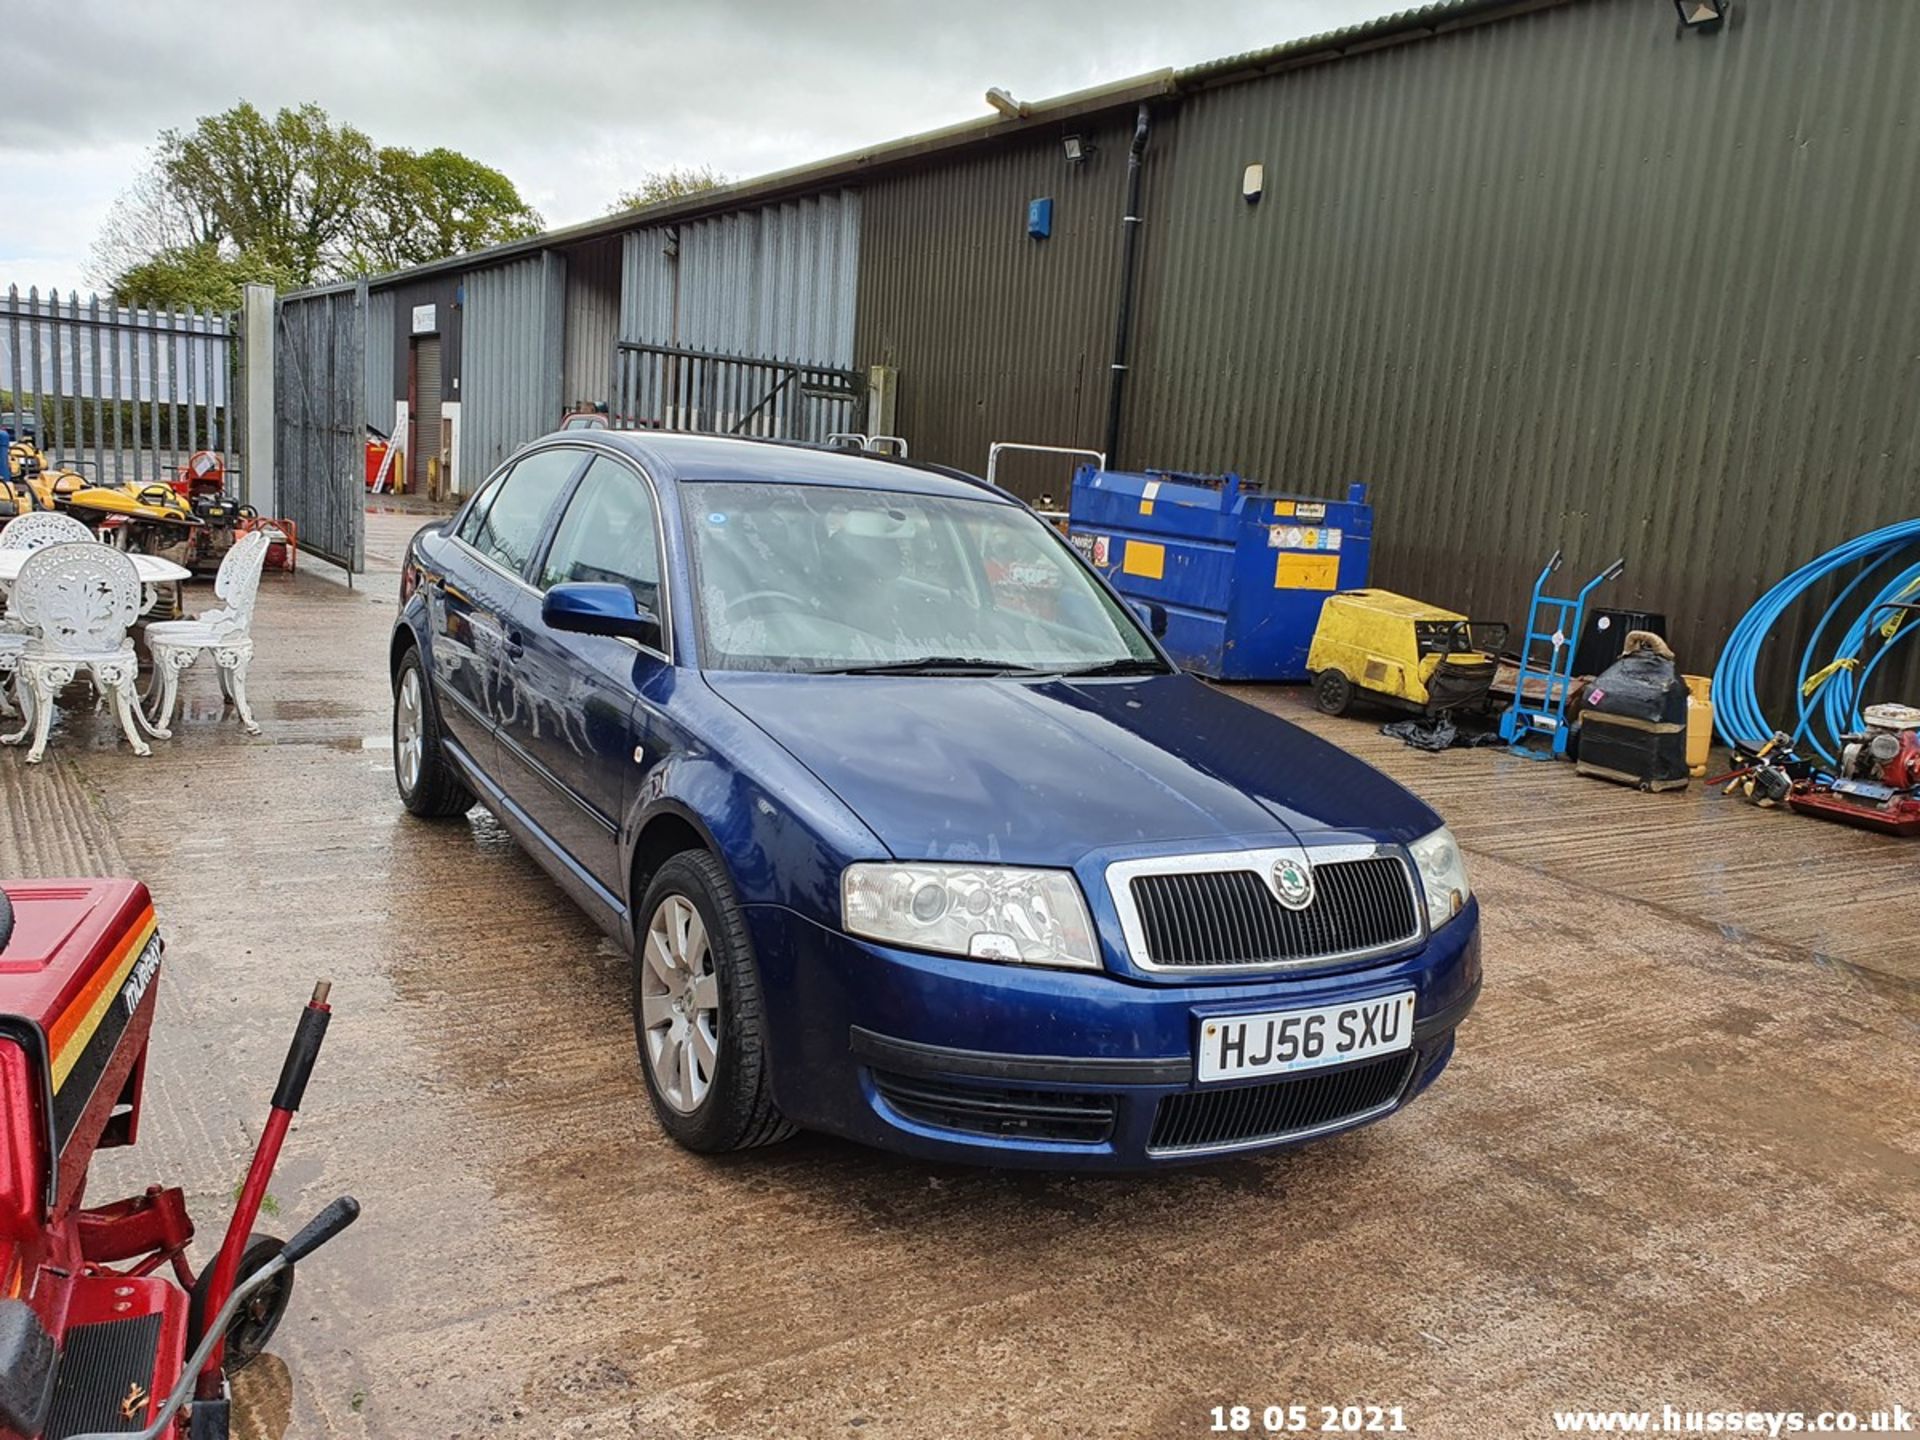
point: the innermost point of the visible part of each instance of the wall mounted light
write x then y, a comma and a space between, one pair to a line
1077, 148
1701, 14
1253, 183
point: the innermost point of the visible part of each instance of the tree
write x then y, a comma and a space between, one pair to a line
147, 220
420, 207
285, 190
196, 275
672, 183
294, 199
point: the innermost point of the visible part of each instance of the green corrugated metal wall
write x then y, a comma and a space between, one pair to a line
997, 336
1568, 279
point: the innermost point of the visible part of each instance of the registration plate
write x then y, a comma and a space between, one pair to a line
1277, 1042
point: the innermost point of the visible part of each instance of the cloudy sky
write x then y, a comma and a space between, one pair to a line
573, 100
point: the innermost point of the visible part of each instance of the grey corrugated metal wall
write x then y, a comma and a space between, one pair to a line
510, 388
1565, 280
776, 282
380, 360
592, 321
997, 336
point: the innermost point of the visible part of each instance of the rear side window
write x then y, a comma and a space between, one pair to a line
506, 523
608, 535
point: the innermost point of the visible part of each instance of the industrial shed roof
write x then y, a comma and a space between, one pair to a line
1400, 28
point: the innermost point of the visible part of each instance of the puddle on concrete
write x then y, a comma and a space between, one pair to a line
309, 710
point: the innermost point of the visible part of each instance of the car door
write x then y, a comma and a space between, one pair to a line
496, 539
579, 723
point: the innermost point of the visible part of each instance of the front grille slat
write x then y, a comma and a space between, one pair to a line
980, 1109
1274, 1110
1230, 917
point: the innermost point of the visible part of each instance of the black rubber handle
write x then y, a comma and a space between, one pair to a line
305, 1049
322, 1228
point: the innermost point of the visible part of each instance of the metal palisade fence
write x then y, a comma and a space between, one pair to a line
320, 419
667, 387
119, 394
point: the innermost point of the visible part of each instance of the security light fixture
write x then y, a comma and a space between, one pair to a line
1006, 104
1078, 148
1701, 14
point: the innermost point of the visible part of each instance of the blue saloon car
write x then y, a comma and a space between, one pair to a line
912, 830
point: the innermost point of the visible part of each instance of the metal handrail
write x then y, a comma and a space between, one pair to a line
999, 447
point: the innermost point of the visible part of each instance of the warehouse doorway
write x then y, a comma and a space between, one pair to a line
425, 444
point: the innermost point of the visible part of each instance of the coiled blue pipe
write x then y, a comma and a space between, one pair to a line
1834, 710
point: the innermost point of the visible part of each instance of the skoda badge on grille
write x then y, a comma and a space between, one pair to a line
1292, 883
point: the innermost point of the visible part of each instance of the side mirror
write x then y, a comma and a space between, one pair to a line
1152, 615
588, 608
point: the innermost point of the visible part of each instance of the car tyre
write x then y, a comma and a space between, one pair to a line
424, 776
1332, 692
694, 971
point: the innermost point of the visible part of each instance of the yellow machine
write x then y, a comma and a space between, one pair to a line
1385, 647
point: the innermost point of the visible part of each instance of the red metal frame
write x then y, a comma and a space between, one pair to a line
78, 986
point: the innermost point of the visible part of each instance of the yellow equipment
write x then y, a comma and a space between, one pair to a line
1402, 652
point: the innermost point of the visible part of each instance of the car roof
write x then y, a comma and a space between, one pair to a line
693, 458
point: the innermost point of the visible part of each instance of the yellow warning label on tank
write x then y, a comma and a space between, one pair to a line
1147, 497
1283, 507
1145, 558
1306, 572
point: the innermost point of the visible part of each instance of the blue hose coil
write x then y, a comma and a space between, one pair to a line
1834, 710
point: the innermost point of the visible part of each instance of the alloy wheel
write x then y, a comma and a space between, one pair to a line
409, 731
680, 1004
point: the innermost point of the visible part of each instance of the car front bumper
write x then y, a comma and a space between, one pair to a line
954, 1059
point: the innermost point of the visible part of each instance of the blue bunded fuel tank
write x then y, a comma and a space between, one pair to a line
1241, 570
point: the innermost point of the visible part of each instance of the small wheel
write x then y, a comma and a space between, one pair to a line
428, 786
253, 1323
1332, 692
697, 1012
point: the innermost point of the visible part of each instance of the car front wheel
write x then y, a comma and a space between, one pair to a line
425, 778
697, 1012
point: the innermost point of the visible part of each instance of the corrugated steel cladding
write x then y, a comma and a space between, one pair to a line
380, 396
592, 319
1564, 280
997, 336
511, 361
775, 282
1567, 279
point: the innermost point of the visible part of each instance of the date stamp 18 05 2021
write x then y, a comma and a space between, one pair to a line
1299, 1419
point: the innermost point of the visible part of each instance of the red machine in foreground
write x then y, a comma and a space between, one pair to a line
105, 1328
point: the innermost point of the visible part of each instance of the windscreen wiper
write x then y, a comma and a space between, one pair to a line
930, 665
1130, 665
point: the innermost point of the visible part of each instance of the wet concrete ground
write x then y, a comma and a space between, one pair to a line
1677, 1159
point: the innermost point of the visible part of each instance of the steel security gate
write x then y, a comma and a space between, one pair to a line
667, 387
117, 394
320, 423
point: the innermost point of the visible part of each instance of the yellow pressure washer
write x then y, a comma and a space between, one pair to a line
1401, 652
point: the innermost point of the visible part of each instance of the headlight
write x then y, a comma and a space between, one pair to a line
986, 912
1443, 875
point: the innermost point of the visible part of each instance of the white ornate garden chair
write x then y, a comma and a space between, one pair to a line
78, 600
13, 644
41, 527
227, 632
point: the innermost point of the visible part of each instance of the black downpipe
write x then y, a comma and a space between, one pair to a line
1129, 257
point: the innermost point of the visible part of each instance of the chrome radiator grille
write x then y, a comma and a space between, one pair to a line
1229, 917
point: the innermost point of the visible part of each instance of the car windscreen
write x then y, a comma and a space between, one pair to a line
816, 578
